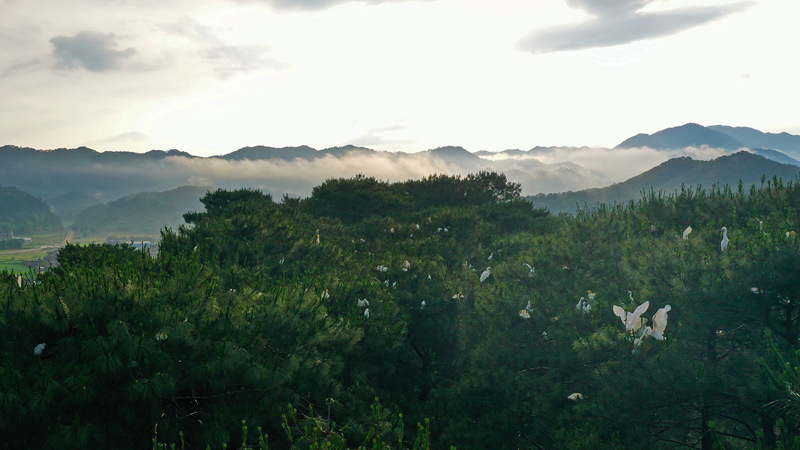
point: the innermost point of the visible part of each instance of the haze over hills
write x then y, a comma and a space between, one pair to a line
670, 176
142, 213
71, 180
22, 213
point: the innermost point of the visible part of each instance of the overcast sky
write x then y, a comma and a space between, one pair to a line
209, 77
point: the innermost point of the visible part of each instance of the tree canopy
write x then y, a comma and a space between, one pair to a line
318, 322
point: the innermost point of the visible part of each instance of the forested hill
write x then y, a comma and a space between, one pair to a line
23, 213
420, 314
143, 213
670, 176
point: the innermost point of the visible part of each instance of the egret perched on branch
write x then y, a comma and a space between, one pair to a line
39, 349
724, 244
362, 302
19, 281
366, 313
659, 323
630, 297
406, 266
524, 314
382, 268
686, 233
490, 257
575, 396
422, 305
531, 270
631, 320
583, 306
486, 274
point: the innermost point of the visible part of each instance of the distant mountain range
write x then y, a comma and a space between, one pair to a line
78, 184
669, 176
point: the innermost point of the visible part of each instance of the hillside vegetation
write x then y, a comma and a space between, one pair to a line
421, 314
143, 213
23, 213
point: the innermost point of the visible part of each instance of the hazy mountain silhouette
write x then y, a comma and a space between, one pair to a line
142, 213
784, 142
688, 135
670, 176
23, 213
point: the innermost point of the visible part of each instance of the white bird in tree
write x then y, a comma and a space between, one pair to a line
486, 274
531, 270
490, 256
422, 305
686, 233
524, 314
632, 320
630, 297
406, 266
39, 349
659, 323
724, 244
583, 306
366, 313
362, 302
575, 396
19, 281
317, 237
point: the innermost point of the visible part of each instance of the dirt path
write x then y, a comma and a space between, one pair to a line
66, 241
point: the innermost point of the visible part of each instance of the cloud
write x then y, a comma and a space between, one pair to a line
620, 22
317, 4
226, 59
94, 52
229, 60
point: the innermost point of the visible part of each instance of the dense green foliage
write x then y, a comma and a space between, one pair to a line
23, 213
254, 312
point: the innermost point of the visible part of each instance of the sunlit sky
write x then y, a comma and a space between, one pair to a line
209, 77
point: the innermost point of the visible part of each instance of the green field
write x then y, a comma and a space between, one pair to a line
17, 260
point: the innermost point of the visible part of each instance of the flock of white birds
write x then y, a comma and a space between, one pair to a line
635, 324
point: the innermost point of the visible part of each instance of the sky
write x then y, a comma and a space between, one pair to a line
211, 76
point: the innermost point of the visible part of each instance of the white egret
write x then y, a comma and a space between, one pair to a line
490, 257
417, 226
630, 297
39, 349
391, 230
486, 274
445, 229
659, 323
524, 314
724, 244
325, 295
458, 296
631, 320
282, 260
686, 233
382, 268
529, 307
406, 266
531, 270
362, 302
366, 313
19, 281
590, 295
583, 306
575, 396
755, 290
439, 230
422, 305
